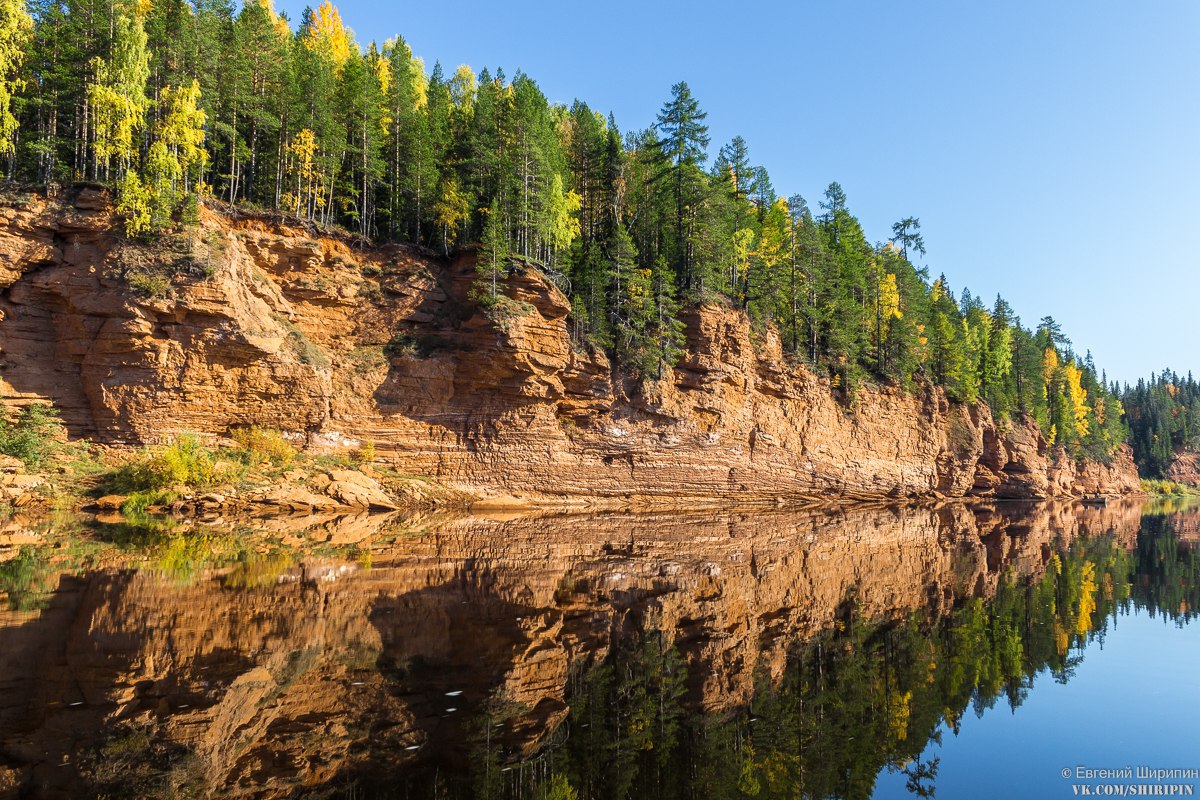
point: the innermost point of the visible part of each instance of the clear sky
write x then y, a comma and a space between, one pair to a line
1049, 148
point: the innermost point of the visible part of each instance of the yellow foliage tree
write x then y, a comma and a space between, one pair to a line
181, 129
420, 82
329, 35
163, 174
743, 247
561, 216
937, 291
1049, 364
773, 241
1077, 396
451, 212
135, 204
304, 169
16, 27
118, 96
463, 87
279, 22
887, 304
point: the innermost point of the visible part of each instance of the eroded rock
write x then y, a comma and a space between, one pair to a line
340, 346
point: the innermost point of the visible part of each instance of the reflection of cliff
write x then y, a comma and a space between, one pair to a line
332, 670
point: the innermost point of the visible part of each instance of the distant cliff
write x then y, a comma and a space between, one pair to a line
249, 320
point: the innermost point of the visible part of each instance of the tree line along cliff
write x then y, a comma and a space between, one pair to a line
340, 345
172, 100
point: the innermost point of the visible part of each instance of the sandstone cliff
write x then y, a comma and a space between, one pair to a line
338, 345
1185, 468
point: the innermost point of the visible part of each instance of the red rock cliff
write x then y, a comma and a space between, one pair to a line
338, 345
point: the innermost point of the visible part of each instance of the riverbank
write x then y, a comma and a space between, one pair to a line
247, 320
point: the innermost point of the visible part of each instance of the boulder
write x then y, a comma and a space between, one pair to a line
297, 498
110, 502
354, 489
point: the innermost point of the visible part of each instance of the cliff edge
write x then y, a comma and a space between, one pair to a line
246, 319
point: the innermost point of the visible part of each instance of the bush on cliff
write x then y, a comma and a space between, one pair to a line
264, 445
186, 462
1165, 488
32, 436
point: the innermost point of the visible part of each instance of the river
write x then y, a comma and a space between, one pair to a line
851, 653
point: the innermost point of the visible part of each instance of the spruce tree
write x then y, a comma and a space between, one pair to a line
682, 149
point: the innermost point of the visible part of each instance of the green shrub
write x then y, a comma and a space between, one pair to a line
186, 462
304, 348
420, 345
370, 290
189, 210
264, 444
402, 344
136, 504
504, 311
1158, 486
33, 436
366, 358
150, 284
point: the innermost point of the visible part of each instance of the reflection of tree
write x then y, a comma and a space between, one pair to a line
921, 775
859, 697
1168, 579
852, 700
626, 719
25, 579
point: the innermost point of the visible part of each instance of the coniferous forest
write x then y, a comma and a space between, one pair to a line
1164, 418
169, 101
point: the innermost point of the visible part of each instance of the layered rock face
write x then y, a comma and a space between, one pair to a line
321, 671
1185, 468
338, 345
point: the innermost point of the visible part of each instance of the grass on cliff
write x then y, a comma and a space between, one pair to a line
152, 270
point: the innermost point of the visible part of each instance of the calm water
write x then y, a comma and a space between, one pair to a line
872, 653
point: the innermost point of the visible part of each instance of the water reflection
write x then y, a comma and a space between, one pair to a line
615, 656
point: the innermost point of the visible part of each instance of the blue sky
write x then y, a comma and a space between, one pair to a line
1049, 148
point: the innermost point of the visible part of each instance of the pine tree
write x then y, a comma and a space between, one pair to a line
907, 233
362, 94
493, 253
682, 143
257, 72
